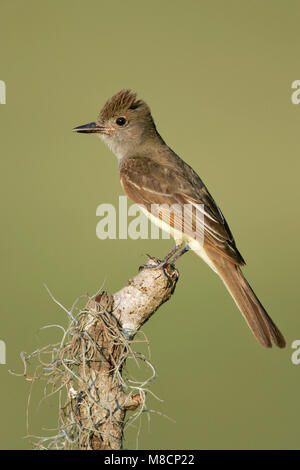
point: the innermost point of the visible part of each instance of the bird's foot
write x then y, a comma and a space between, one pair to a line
156, 263
167, 263
159, 264
170, 258
163, 265
179, 253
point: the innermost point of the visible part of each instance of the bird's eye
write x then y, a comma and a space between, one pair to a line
121, 121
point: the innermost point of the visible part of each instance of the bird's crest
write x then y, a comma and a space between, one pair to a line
118, 104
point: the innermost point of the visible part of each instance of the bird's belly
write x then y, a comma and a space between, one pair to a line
180, 237
199, 249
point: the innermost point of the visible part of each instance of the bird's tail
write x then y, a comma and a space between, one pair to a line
261, 325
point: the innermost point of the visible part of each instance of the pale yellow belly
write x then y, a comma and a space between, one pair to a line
180, 237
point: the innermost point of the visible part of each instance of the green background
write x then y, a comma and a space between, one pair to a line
217, 76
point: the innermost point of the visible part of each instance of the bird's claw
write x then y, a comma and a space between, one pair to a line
159, 264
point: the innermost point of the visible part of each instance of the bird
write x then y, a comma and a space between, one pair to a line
154, 176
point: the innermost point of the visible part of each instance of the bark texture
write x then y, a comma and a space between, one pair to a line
103, 336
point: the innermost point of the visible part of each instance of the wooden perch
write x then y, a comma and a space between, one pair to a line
101, 345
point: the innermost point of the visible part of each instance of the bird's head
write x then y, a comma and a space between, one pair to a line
123, 123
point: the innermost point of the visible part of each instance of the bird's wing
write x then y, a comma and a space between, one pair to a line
165, 189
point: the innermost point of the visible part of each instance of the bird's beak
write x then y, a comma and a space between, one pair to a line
92, 128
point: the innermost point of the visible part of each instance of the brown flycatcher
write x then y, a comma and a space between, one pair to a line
153, 176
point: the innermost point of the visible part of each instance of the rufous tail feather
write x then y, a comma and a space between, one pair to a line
261, 325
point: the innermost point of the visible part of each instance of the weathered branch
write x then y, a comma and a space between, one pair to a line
85, 367
102, 399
